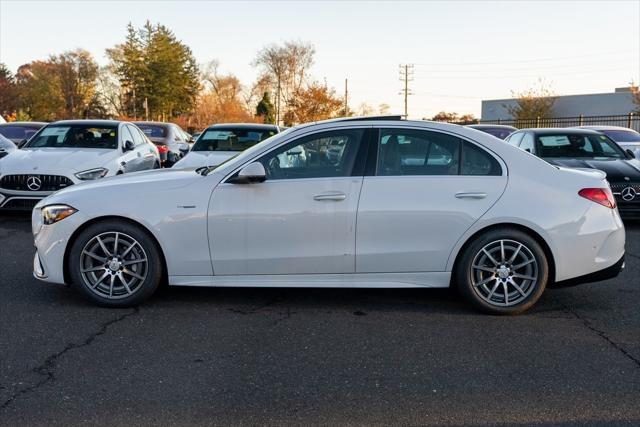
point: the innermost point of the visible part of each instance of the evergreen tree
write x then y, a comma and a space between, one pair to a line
265, 109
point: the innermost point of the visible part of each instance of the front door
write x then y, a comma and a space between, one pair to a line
302, 219
427, 190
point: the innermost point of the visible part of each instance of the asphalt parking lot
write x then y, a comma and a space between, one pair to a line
309, 356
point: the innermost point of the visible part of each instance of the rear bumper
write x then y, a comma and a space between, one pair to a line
597, 276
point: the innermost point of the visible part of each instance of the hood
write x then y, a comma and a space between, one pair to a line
196, 159
136, 182
616, 169
57, 161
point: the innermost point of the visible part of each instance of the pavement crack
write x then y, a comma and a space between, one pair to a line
48, 367
602, 334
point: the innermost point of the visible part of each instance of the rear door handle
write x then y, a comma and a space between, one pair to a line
330, 196
470, 195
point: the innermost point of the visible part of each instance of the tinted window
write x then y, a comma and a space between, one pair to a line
527, 143
575, 145
325, 154
622, 135
76, 136
153, 131
497, 132
231, 139
476, 161
17, 132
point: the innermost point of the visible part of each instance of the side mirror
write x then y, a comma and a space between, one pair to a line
21, 143
129, 145
250, 174
630, 153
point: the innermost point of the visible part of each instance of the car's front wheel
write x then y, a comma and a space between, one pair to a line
115, 263
503, 271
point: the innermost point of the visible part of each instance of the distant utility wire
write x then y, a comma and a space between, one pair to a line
574, 65
475, 76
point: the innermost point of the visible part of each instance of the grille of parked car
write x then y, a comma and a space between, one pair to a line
21, 204
626, 191
34, 182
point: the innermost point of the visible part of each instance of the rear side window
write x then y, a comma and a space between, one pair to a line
153, 131
414, 152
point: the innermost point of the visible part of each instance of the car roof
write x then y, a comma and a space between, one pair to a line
244, 126
163, 124
490, 126
564, 131
88, 122
26, 124
596, 127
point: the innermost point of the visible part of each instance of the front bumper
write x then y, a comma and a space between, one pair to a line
20, 201
597, 276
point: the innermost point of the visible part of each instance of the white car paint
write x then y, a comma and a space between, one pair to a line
66, 162
371, 231
196, 159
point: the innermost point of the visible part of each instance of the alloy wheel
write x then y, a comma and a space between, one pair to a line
113, 265
504, 273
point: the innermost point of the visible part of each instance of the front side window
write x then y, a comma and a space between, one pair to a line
137, 138
76, 136
321, 155
527, 143
576, 145
231, 139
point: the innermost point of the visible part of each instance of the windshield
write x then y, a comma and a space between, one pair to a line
578, 146
76, 136
231, 139
153, 131
622, 135
17, 133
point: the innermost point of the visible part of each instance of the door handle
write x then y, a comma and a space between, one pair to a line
470, 195
330, 196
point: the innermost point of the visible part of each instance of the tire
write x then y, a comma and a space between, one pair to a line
156, 165
502, 262
115, 281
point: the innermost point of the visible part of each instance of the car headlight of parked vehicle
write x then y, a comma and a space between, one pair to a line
54, 213
91, 174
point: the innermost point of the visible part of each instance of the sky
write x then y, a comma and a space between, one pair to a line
462, 51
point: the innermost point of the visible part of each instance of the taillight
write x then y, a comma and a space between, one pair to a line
162, 149
603, 196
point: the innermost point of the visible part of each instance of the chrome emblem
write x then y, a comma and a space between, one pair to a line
34, 183
628, 194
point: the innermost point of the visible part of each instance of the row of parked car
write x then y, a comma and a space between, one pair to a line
611, 149
37, 159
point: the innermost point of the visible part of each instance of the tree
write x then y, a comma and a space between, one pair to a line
286, 67
153, 65
77, 73
532, 103
38, 91
635, 93
316, 102
8, 103
443, 116
383, 109
265, 109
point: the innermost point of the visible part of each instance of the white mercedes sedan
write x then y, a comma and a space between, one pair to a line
70, 152
374, 202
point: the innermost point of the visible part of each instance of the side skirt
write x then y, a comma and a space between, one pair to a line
358, 280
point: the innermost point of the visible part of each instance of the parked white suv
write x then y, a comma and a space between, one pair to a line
69, 152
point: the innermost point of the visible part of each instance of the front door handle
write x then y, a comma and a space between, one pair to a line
470, 195
330, 196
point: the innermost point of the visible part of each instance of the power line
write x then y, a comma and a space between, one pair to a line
406, 75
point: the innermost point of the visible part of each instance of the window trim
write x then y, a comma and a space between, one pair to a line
503, 165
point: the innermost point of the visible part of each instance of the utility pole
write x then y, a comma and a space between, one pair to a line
135, 114
278, 103
146, 109
346, 97
406, 75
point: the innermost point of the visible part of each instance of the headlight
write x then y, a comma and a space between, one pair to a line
54, 213
92, 174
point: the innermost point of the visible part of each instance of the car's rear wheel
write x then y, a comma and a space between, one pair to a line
115, 263
502, 272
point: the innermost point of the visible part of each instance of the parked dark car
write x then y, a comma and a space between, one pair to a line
588, 149
171, 140
20, 132
6, 146
499, 131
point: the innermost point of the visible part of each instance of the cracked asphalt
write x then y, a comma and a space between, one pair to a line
314, 357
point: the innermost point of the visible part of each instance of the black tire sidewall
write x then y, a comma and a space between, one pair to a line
464, 273
154, 265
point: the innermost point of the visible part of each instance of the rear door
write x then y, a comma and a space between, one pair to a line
427, 188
